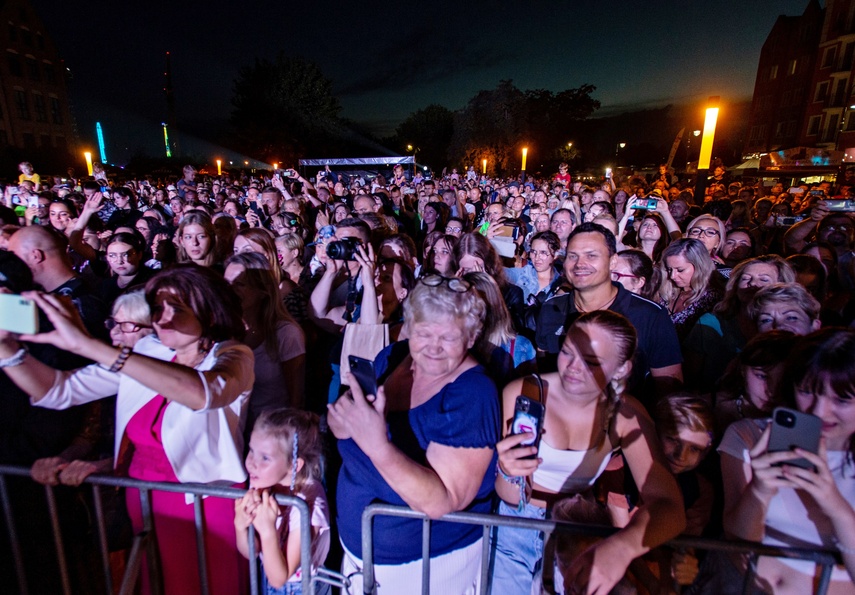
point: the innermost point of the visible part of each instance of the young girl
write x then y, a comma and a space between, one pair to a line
284, 458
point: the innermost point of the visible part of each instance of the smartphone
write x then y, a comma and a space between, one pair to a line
528, 417
794, 429
817, 193
286, 173
363, 370
18, 315
608, 172
840, 205
33, 201
782, 221
649, 204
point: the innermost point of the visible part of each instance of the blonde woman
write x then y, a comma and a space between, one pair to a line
686, 270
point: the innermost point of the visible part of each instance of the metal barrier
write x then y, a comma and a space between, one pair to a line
825, 559
146, 541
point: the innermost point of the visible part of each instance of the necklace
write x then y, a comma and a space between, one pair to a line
602, 306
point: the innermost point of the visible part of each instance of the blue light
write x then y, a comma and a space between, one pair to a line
101, 142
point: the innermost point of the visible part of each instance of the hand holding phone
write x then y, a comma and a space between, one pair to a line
793, 429
363, 370
528, 418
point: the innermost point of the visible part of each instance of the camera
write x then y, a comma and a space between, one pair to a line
785, 418
343, 249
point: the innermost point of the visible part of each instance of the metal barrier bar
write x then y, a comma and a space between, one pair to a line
57, 540
145, 543
253, 568
201, 553
485, 560
13, 538
826, 559
102, 538
426, 527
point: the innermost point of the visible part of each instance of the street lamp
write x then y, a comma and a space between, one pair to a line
524, 155
484, 166
219, 167
619, 147
705, 156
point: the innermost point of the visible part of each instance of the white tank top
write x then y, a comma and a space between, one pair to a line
571, 471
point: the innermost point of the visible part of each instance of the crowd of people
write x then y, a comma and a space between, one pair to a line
217, 329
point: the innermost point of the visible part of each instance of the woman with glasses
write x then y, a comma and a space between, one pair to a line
181, 396
709, 230
455, 227
540, 272
634, 270
129, 322
425, 440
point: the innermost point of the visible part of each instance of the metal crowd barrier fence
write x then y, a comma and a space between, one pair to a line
825, 559
146, 541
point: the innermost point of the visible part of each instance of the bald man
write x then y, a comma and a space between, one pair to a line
45, 253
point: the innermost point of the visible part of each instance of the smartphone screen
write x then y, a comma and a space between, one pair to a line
528, 417
18, 315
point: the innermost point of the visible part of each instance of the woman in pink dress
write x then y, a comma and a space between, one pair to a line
181, 398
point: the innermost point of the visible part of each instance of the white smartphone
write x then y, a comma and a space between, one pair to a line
18, 315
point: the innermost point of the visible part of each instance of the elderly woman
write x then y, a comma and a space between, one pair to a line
181, 396
785, 307
426, 441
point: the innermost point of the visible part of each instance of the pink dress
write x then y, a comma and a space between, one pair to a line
174, 518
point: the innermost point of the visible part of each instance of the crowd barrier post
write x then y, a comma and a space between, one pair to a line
823, 558
145, 542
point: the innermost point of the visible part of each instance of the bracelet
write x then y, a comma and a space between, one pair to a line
124, 354
15, 360
516, 480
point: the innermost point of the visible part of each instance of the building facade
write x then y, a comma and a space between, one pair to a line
783, 86
35, 117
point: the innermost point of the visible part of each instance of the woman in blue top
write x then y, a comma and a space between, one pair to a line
426, 441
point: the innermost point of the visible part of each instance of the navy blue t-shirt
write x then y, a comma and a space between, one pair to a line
464, 414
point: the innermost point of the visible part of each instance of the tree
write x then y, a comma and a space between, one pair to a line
284, 109
496, 124
430, 129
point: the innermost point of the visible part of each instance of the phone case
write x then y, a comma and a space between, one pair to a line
794, 429
363, 370
18, 315
528, 417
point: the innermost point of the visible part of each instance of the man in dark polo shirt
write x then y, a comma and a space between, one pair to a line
590, 258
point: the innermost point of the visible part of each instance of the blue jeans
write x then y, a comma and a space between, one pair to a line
519, 554
291, 588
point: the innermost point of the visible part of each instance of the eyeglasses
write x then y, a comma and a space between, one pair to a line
616, 276
451, 229
543, 253
698, 231
125, 326
839, 227
114, 256
455, 284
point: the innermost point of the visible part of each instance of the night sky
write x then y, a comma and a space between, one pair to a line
387, 60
